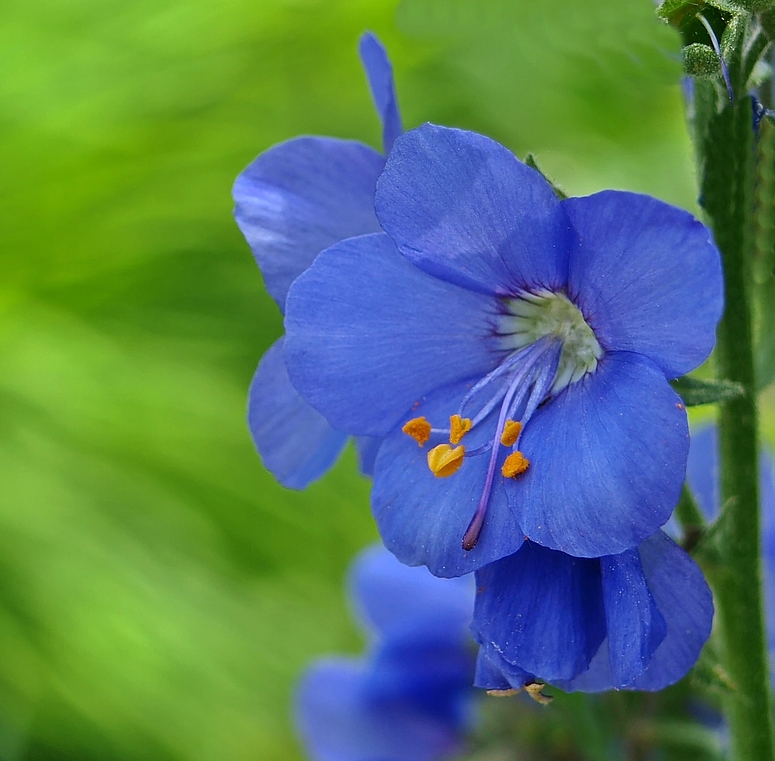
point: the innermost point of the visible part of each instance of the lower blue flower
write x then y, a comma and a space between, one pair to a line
410, 698
340, 719
637, 620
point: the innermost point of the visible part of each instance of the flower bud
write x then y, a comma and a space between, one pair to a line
700, 61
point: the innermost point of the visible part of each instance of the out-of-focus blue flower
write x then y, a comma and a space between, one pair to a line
637, 620
293, 201
542, 331
409, 698
702, 473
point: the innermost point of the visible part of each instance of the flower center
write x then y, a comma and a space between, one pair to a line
532, 316
549, 345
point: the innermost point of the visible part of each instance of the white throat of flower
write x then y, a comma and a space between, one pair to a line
532, 316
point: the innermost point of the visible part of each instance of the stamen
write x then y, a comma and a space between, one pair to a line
419, 429
515, 465
534, 379
458, 427
509, 365
511, 432
471, 537
445, 461
536, 691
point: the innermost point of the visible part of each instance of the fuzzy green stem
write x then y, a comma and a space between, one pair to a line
727, 197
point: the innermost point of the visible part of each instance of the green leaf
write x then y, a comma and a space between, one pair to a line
678, 734
707, 551
709, 673
558, 191
679, 12
694, 391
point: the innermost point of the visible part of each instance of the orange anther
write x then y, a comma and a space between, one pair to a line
419, 429
536, 691
511, 432
515, 464
458, 427
444, 461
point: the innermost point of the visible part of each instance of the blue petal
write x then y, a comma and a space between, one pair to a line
488, 675
493, 673
367, 448
598, 678
464, 208
387, 594
422, 519
300, 197
369, 334
684, 600
607, 460
338, 720
295, 442
380, 75
702, 471
634, 624
647, 277
428, 667
542, 611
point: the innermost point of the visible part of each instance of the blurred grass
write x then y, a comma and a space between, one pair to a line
159, 593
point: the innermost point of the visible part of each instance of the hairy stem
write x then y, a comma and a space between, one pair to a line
728, 199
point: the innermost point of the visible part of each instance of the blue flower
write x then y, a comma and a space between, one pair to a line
702, 474
409, 699
293, 201
539, 332
636, 620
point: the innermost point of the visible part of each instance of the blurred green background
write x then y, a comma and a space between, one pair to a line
159, 593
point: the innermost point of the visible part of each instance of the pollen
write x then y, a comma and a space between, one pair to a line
511, 432
458, 427
445, 461
502, 693
536, 691
419, 429
515, 464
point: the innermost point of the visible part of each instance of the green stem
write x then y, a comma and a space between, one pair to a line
727, 197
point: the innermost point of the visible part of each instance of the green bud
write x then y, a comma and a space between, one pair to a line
701, 61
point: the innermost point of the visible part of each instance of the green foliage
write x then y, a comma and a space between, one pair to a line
696, 391
581, 86
679, 12
530, 160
